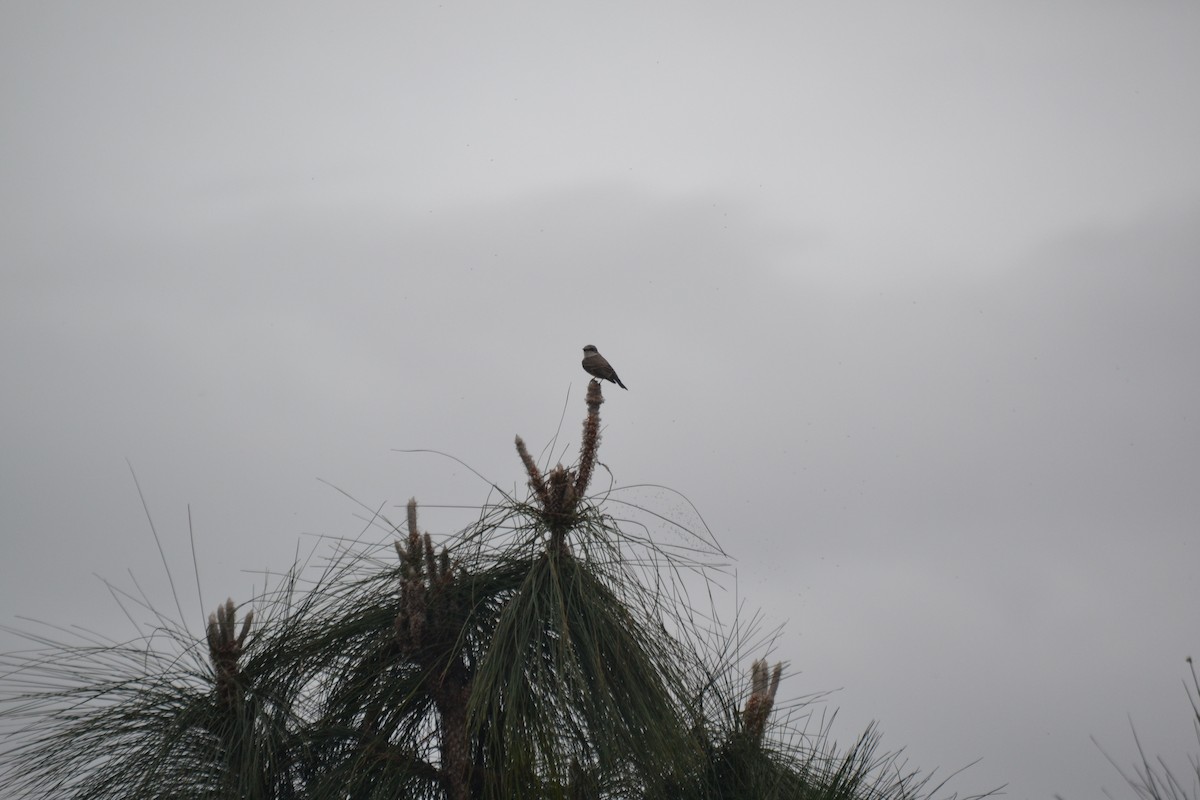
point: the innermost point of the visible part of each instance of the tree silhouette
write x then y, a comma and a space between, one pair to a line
543, 652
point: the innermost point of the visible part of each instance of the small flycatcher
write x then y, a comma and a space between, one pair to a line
597, 365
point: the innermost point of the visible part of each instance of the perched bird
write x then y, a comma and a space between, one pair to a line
598, 365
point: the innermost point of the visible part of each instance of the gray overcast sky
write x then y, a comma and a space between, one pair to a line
905, 295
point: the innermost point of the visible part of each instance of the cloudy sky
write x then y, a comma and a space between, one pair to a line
905, 295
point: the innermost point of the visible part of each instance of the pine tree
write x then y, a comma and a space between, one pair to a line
543, 653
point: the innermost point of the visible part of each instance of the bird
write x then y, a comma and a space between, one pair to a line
596, 364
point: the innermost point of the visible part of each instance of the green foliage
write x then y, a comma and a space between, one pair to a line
544, 653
